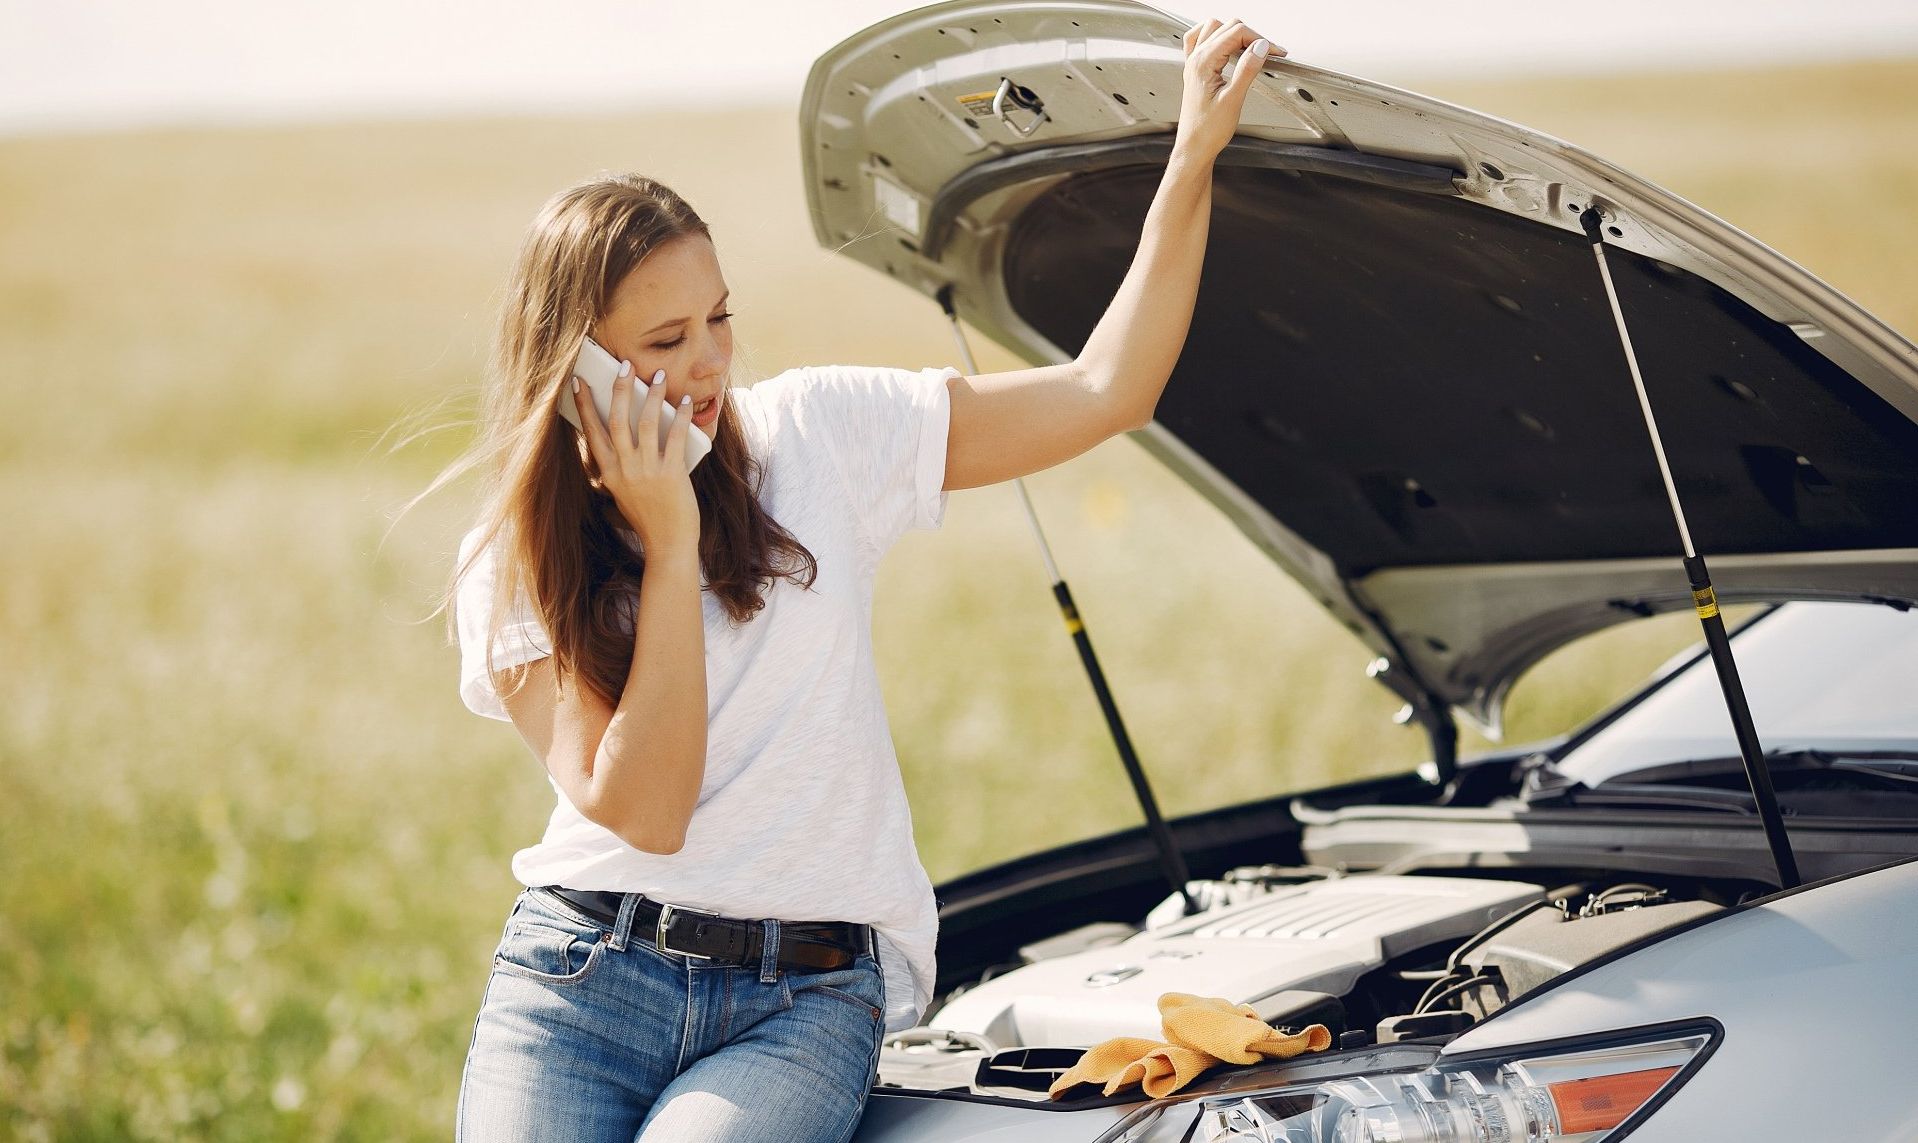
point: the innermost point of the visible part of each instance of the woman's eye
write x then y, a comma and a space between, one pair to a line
676, 341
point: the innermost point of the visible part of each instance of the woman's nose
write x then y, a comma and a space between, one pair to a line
711, 361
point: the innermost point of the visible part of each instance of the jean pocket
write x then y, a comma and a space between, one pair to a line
869, 1008
545, 952
859, 984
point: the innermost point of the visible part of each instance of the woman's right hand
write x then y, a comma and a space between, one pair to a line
650, 485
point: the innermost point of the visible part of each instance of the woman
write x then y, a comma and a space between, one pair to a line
726, 911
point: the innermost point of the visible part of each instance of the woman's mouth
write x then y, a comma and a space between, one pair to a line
706, 412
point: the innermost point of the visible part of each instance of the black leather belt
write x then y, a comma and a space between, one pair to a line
697, 933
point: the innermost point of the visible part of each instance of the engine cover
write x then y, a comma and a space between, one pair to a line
1320, 936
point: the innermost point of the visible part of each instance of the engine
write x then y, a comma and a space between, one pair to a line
1375, 957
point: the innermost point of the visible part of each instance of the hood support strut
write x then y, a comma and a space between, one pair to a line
1704, 599
1171, 861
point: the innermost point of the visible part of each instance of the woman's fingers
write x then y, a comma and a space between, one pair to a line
1211, 104
676, 434
598, 445
621, 430
1230, 43
1250, 60
653, 493
1225, 42
1196, 34
649, 414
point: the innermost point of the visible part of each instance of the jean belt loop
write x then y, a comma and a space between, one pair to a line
769, 952
623, 927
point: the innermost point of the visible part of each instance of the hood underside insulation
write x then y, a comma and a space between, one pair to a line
1409, 379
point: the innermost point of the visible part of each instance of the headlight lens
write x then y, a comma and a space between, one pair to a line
1565, 1095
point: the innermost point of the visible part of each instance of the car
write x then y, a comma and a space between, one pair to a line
1406, 383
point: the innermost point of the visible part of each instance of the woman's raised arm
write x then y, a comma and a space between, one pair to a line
1006, 425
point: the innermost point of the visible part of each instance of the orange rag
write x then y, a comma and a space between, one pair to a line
1203, 1030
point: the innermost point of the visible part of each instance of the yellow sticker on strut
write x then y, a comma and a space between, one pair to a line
1706, 601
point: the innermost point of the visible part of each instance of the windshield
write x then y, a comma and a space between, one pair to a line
1836, 676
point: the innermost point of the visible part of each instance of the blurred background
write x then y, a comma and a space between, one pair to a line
253, 851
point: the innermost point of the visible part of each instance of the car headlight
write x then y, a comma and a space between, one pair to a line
1575, 1092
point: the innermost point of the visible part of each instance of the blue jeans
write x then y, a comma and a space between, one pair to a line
591, 1033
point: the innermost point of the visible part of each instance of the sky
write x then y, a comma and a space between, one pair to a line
107, 64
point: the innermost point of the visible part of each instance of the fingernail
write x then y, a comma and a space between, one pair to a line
625, 366
1261, 48
575, 384
686, 399
659, 377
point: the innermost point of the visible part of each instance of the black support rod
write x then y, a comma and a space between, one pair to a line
1704, 599
1171, 861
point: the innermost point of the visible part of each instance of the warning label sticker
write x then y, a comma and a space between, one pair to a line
979, 102
900, 205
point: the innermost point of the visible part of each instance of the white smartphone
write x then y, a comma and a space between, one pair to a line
598, 370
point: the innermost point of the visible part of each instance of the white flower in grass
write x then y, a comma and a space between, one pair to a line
288, 1093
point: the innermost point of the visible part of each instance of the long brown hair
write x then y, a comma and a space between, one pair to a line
556, 527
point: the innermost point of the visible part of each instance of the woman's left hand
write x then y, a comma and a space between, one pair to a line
1210, 105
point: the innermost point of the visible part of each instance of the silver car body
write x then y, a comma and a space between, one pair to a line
956, 148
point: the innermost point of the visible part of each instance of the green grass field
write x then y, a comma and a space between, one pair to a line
253, 852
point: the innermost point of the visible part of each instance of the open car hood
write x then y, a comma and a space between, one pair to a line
1403, 381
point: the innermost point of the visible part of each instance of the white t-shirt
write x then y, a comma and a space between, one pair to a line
802, 815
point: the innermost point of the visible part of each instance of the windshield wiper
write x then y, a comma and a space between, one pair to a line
1629, 794
1717, 783
1892, 765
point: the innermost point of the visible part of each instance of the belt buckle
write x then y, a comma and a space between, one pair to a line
666, 913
